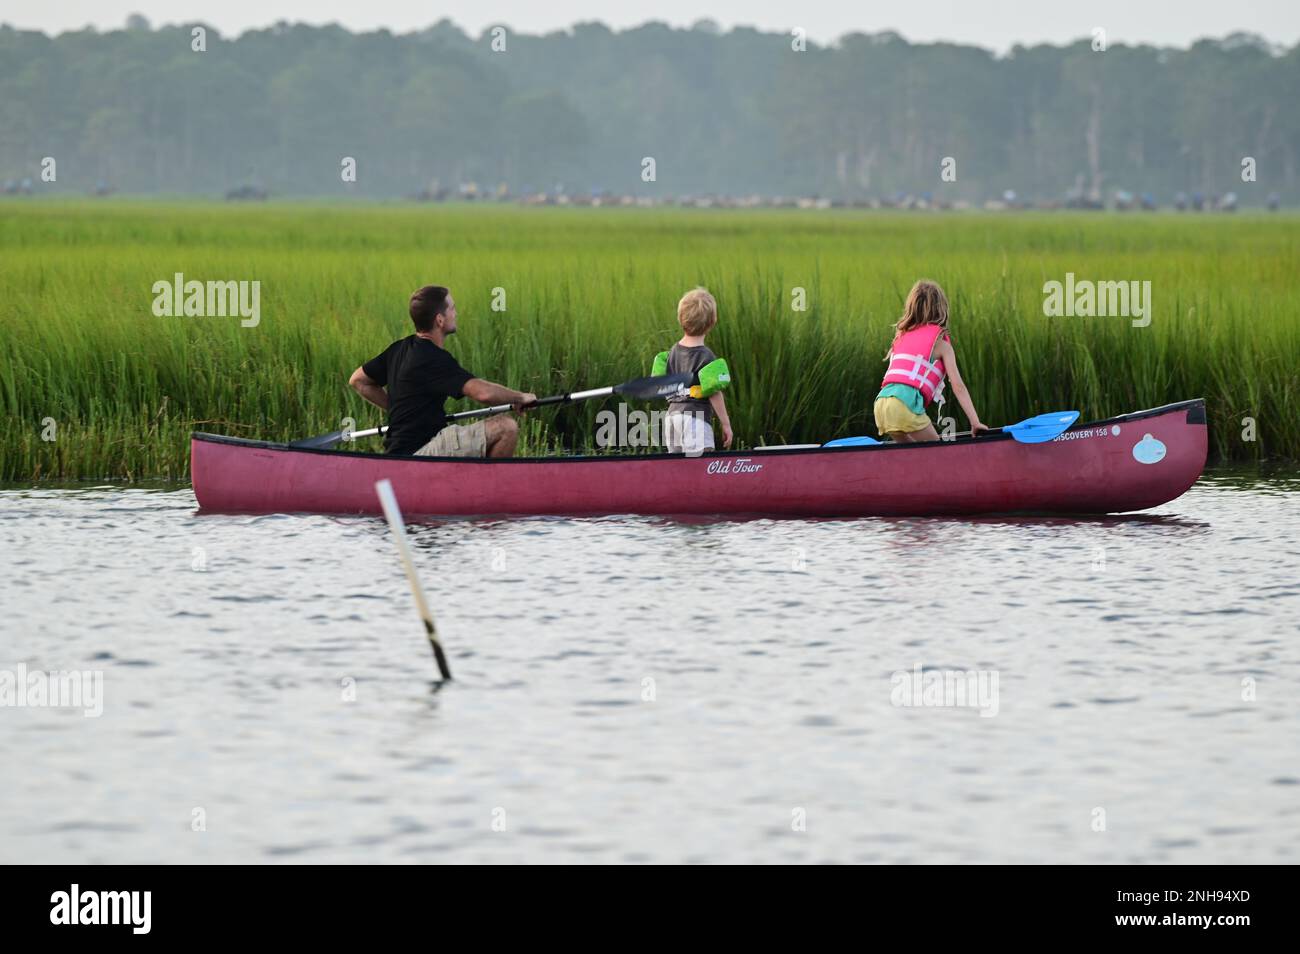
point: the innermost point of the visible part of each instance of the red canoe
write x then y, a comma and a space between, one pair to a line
1130, 462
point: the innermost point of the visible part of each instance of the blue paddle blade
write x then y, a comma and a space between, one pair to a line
1043, 428
851, 442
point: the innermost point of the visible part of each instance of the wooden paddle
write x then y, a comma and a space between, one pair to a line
643, 389
393, 514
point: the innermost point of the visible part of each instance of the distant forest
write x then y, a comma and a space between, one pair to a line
737, 112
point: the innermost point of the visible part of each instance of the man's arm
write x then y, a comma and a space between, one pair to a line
485, 392
369, 388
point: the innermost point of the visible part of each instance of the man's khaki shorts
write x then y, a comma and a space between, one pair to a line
457, 440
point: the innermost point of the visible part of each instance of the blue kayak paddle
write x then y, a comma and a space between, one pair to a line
1041, 428
851, 442
1033, 430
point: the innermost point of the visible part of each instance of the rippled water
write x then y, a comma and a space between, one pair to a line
647, 690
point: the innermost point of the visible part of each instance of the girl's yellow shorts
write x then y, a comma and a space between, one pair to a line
893, 415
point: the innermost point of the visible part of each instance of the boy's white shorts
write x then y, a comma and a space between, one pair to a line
687, 433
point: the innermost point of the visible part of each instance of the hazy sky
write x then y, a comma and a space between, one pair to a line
997, 24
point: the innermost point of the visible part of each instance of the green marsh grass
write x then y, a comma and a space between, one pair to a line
591, 296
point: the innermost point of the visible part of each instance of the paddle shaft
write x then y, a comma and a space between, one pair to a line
541, 402
642, 389
502, 408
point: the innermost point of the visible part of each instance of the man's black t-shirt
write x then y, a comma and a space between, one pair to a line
419, 376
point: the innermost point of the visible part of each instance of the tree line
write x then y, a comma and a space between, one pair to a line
737, 112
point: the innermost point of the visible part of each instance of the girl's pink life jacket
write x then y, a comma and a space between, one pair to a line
910, 362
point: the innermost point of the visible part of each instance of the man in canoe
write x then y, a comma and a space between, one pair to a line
420, 375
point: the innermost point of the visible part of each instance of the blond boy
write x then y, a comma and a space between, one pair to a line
688, 425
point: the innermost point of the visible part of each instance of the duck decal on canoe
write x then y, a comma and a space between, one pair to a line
1148, 450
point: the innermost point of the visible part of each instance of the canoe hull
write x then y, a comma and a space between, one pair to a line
1128, 463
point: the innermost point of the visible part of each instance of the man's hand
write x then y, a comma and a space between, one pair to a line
485, 392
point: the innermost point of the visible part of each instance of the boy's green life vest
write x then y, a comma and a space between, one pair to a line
713, 377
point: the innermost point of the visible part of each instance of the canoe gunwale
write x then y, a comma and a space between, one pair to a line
1195, 415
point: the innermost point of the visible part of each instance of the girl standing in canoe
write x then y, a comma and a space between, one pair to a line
919, 360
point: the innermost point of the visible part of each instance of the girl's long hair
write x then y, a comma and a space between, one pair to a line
926, 305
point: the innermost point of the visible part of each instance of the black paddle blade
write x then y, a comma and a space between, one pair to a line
323, 440
647, 389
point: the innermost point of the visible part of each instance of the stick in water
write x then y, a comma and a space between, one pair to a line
393, 514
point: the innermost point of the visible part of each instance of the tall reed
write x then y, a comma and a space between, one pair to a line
590, 296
